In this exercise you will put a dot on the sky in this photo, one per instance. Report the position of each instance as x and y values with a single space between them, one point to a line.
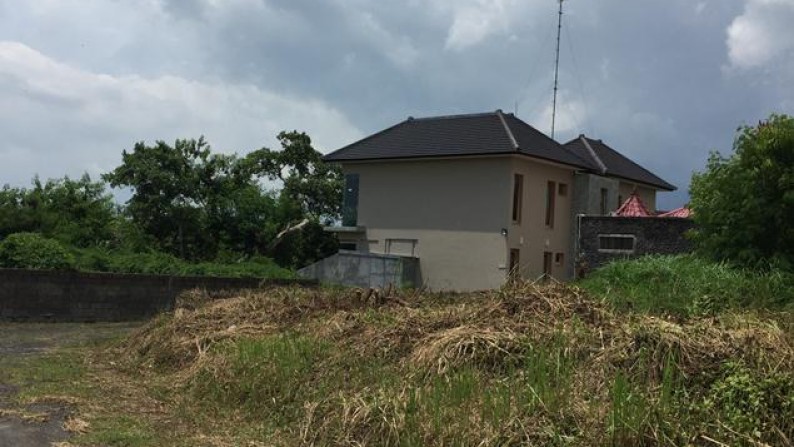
662 81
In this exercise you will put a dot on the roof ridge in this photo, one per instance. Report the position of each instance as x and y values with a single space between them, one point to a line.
446 117
507 129
593 154
582 162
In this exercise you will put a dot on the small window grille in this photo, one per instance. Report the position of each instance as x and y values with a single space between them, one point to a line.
616 243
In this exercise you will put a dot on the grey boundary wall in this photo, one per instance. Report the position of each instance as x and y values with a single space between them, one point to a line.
654 235
358 269
67 296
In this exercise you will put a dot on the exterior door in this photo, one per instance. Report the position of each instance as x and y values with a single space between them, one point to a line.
547 263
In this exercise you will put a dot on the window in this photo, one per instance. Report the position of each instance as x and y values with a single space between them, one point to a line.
551 189
559 259
350 201
348 246
604 197
616 243
514 263
563 189
518 193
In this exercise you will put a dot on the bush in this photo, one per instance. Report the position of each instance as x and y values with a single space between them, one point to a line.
743 204
158 263
688 285
33 251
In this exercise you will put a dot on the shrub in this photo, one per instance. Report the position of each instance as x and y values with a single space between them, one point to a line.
158 263
743 203
33 251
688 285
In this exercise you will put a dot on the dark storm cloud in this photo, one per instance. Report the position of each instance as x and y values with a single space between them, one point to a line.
662 81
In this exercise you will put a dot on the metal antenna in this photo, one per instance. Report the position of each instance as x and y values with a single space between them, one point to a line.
556 72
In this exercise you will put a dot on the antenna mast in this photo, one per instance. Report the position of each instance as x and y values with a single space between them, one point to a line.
556 72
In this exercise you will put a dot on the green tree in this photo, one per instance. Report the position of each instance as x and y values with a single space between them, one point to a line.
76 212
307 180
744 204
176 191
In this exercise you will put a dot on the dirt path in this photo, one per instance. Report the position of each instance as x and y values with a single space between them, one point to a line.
39 424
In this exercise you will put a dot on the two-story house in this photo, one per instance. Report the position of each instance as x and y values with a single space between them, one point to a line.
478 197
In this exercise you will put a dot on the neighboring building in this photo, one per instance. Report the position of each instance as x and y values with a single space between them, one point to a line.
474 197
618 175
629 232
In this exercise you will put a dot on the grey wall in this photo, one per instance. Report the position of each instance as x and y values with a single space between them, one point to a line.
654 235
365 270
41 295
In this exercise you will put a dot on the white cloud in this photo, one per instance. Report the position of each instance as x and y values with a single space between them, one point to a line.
569 120
473 21
762 33
59 119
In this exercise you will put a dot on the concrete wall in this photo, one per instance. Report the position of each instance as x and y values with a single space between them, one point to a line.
449 212
41 295
653 235
365 270
587 193
532 237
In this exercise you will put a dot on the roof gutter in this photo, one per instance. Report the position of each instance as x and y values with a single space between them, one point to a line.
601 166
507 129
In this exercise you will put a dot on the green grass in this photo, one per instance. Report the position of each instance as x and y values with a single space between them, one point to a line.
120 431
687 285
155 263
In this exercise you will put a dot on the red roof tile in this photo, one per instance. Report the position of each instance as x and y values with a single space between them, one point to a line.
633 207
682 212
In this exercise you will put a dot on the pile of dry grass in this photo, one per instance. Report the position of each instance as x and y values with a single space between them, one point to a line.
468 345
430 336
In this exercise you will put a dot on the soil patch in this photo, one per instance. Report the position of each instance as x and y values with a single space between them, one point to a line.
39 424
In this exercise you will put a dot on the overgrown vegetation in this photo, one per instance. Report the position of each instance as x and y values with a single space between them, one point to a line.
689 285
156 263
33 251
744 204
191 211
530 364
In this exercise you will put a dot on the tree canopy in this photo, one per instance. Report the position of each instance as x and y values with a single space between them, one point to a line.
75 212
198 205
744 204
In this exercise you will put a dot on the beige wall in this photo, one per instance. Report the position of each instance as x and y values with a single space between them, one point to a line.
450 213
455 210
451 260
531 236
647 195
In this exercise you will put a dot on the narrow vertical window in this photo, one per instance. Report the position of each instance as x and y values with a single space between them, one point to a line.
514 263
604 196
551 190
350 201
518 193
547 257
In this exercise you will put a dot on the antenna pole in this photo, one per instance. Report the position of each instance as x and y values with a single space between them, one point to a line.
556 72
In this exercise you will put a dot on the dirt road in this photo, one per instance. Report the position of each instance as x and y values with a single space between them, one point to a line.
21 344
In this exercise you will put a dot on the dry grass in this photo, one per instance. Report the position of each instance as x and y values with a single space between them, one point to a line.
542 364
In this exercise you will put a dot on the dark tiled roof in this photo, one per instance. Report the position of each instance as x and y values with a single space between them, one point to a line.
616 164
479 134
